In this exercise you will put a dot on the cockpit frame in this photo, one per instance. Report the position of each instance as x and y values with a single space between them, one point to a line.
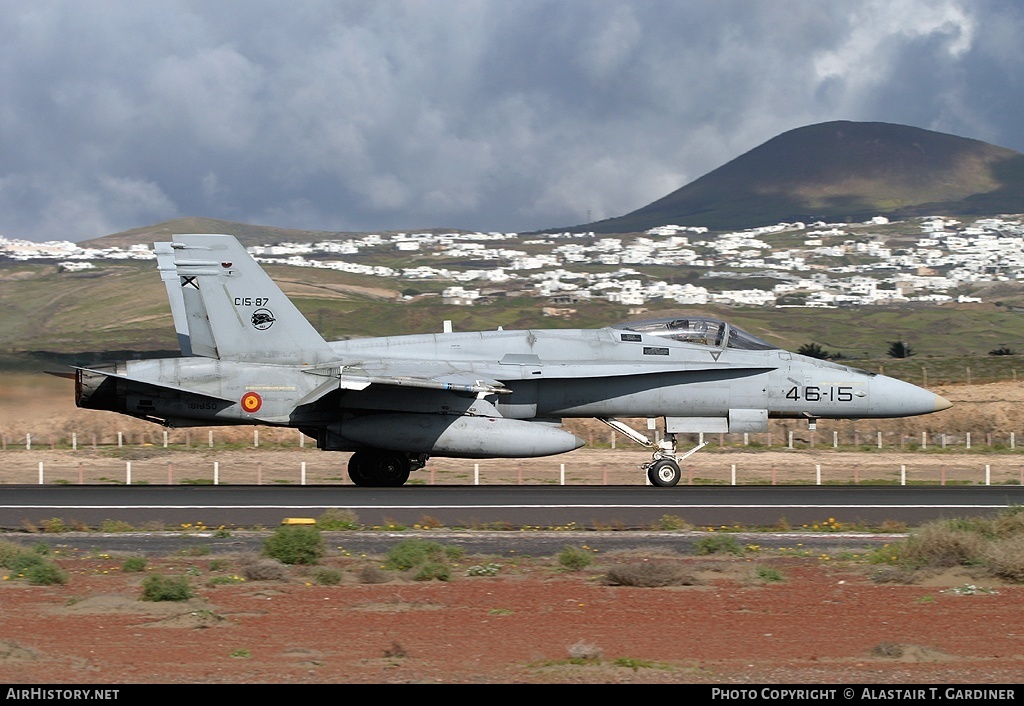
698 330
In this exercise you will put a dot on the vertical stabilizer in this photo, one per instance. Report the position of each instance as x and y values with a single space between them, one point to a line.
169 274
230 300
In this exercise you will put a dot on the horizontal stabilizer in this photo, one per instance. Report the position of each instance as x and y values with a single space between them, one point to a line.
167 385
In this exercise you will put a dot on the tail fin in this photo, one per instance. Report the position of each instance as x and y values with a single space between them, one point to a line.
234 311
169 274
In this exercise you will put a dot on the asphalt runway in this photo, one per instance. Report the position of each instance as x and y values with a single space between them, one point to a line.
482 507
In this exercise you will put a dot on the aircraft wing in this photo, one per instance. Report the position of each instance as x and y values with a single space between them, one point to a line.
424 376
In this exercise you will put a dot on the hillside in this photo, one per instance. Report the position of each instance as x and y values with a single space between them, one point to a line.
248 234
842 172
838 171
104 314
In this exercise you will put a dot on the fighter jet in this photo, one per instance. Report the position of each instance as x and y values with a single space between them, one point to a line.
250 357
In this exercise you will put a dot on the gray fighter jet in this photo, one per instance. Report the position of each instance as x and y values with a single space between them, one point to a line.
250 357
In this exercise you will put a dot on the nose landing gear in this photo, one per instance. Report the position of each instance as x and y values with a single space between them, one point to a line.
663 470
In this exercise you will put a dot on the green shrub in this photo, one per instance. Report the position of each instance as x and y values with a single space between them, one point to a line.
326 576
767 574
410 553
637 664
428 559
718 544
885 554
31 564
134 563
334 519
433 570
55 524
9 549
22 561
46 573
157 587
575 558
295 545
673 522
116 526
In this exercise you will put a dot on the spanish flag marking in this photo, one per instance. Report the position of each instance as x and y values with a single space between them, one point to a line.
251 402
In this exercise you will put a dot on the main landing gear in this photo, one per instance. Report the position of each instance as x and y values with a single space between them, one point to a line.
383 469
663 470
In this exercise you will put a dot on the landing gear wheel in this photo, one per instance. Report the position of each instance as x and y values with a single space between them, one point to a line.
664 473
378 469
392 470
359 470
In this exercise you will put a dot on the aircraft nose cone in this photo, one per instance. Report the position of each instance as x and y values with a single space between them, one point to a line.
896 398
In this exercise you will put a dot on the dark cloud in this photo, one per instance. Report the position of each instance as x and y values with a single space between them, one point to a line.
463 113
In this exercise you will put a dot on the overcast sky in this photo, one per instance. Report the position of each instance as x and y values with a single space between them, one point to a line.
506 115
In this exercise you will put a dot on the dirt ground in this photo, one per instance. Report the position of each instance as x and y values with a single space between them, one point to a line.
824 620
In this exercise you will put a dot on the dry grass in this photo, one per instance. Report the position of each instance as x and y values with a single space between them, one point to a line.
650 574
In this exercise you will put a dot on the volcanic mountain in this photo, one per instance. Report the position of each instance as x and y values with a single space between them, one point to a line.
842 171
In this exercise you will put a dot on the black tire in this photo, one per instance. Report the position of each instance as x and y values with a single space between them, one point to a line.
391 470
378 469
358 470
664 473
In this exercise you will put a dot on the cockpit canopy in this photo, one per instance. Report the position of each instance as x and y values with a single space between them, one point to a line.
699 330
